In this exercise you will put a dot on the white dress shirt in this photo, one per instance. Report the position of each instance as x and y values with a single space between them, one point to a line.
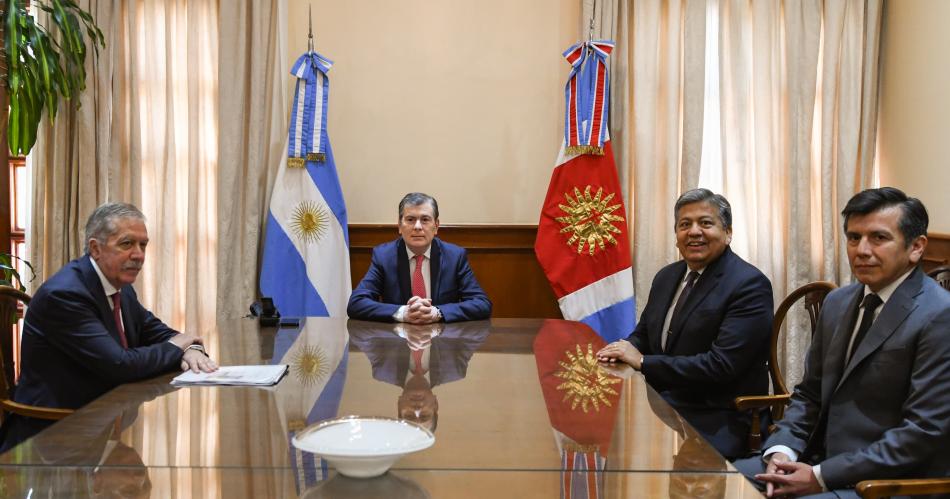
676 296
400 314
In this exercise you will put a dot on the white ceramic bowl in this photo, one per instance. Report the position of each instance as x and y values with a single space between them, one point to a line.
363 447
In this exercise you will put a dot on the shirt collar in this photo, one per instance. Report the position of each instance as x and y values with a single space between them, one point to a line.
688 270
888 290
106 285
412 255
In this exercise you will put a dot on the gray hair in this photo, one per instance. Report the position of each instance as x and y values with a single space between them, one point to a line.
102 222
416 199
705 195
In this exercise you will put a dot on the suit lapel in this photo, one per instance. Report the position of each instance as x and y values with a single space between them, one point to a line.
91 280
402 271
895 311
833 368
707 282
435 265
131 331
667 288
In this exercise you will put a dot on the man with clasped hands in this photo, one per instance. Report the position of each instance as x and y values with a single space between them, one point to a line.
874 402
419 278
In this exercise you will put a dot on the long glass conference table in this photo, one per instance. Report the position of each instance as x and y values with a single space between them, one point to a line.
519 408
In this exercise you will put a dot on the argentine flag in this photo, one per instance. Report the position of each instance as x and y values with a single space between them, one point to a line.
306 267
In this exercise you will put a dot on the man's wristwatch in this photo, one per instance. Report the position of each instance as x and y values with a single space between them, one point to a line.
198 347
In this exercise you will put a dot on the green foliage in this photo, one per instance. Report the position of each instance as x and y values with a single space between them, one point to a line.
9 276
42 68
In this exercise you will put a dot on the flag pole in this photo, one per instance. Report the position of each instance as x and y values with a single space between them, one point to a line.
590 27
310 29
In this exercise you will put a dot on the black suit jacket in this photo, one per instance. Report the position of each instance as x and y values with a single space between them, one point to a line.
888 410
70 350
718 350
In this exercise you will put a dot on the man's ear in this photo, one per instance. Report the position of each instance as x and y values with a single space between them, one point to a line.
917 248
94 249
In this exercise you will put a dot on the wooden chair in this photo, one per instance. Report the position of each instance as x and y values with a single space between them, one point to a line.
875 489
9 298
942 276
814 295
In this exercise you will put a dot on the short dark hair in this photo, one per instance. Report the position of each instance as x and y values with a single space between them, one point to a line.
705 195
101 223
417 198
914 219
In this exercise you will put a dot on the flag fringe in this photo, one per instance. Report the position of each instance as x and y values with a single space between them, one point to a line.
585 149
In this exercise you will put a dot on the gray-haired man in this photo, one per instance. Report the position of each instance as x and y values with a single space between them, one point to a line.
86 332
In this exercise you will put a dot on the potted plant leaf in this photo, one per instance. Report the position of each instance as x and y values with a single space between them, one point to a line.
42 68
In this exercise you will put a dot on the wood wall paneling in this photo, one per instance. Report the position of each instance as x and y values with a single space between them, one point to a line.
938 250
502 257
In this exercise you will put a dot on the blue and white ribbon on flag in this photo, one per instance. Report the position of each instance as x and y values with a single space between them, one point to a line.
306 265
308 120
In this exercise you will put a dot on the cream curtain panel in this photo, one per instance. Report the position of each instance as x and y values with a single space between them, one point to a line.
156 129
147 134
788 136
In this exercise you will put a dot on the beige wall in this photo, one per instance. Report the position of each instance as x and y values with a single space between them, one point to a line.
914 140
460 99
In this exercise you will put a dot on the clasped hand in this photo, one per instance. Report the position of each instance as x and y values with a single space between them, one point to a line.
421 311
784 477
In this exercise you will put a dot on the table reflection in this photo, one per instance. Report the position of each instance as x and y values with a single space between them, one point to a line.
418 358
509 398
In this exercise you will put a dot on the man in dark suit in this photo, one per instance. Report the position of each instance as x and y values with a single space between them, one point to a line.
703 337
86 332
874 401
417 278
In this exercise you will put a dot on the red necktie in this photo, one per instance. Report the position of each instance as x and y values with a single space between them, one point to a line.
117 315
417 360
418 283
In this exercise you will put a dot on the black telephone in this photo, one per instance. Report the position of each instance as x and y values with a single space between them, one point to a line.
265 310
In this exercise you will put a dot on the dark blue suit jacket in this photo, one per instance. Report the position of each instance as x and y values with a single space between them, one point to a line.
718 350
387 285
70 350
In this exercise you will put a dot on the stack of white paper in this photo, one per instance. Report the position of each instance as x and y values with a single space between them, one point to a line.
234 375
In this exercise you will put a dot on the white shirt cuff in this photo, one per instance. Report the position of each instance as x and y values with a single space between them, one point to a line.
816 469
400 315
792 455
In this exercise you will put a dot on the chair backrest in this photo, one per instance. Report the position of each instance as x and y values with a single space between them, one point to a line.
942 276
813 295
9 300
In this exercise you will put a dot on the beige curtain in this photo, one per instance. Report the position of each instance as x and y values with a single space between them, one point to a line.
798 83
147 133
790 137
253 117
72 164
657 83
